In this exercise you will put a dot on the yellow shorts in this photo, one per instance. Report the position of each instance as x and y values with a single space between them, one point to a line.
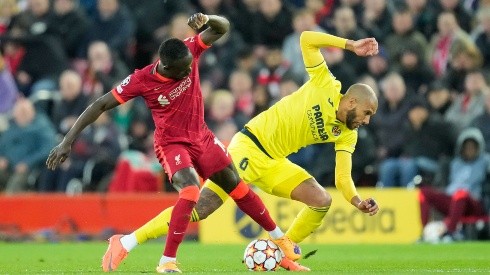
278 177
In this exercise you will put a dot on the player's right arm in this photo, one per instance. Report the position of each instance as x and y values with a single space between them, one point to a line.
311 42
93 111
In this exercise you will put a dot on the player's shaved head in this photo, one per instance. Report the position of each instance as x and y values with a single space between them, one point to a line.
175 59
362 93
357 106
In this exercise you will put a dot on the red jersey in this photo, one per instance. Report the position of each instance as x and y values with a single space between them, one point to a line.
176 105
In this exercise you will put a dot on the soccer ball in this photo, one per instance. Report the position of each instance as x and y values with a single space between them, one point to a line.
262 255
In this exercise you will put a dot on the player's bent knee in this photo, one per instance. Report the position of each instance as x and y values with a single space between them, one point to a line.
321 199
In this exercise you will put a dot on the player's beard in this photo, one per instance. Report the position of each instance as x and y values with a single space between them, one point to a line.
351 116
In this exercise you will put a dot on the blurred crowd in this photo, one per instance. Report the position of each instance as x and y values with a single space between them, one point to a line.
57 56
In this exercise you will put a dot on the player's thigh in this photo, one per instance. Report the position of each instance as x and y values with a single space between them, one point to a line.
249 161
213 157
173 158
282 178
311 193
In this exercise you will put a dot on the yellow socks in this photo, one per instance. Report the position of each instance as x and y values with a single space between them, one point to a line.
158 226
307 221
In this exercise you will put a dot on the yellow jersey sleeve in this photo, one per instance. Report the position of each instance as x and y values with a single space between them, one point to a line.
347 143
343 177
311 42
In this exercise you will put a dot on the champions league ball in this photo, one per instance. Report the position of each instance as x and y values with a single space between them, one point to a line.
262 255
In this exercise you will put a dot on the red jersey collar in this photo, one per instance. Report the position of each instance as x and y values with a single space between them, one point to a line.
159 76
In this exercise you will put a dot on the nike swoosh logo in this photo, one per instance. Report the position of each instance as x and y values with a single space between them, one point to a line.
178 233
263 211
110 263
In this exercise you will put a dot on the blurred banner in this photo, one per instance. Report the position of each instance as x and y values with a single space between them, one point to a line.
398 221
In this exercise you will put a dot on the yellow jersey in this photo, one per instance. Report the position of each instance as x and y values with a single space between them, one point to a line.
307 116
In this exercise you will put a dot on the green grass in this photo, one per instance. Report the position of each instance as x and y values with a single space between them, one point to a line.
83 258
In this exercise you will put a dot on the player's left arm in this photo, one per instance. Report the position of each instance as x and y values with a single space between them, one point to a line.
344 182
218 26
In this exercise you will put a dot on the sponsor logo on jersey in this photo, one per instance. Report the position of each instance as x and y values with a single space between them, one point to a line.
330 101
336 131
317 124
184 85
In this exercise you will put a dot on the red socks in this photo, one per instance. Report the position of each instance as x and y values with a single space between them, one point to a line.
252 205
180 218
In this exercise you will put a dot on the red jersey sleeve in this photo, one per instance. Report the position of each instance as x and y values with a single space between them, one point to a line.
195 45
128 89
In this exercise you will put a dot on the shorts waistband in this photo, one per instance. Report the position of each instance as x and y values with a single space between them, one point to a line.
255 140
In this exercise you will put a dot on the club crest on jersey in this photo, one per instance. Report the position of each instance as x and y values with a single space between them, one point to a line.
177 160
163 100
336 131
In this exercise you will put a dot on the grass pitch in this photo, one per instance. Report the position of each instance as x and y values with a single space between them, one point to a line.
84 258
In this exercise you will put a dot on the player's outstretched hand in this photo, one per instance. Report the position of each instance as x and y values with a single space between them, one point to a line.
197 20
368 206
58 155
366 47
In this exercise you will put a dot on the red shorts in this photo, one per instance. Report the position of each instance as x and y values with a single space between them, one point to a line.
207 156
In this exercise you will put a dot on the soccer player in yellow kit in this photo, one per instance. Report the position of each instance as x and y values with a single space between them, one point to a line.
316 113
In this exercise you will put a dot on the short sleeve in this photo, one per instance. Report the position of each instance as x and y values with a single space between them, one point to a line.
128 89
347 143
196 45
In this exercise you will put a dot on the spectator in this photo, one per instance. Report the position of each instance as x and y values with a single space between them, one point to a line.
441 43
277 17
98 143
470 104
439 98
462 196
482 36
152 16
244 18
392 112
456 7
303 20
113 24
465 57
241 87
71 24
8 9
376 19
103 69
404 34
8 88
377 65
414 70
429 140
177 28
346 26
218 62
323 11
222 110
274 69
24 146
481 122
424 16
72 103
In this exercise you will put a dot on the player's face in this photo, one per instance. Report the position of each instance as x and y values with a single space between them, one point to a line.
360 115
180 68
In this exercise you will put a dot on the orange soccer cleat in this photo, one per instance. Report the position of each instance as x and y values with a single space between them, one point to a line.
291 265
114 255
290 249
168 267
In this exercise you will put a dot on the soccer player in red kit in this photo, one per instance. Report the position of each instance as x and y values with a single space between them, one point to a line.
183 143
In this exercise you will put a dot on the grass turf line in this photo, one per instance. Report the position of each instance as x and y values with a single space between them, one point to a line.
85 258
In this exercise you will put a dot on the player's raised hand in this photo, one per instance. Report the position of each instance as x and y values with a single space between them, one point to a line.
368 206
197 20
58 155
365 47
